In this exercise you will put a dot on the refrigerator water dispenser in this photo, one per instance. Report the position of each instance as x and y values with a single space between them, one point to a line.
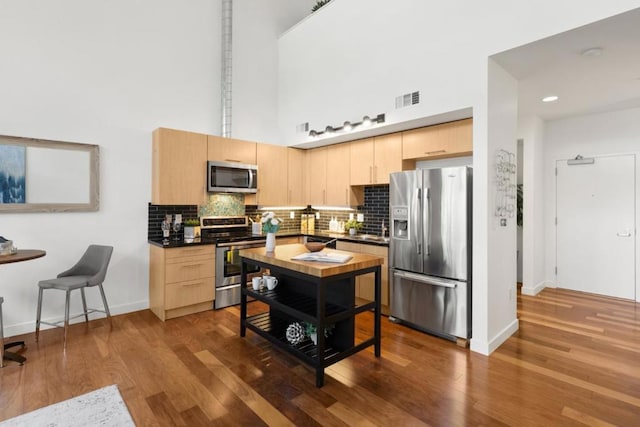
400 222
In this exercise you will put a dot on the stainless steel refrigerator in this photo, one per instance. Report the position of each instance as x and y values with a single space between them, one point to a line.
430 250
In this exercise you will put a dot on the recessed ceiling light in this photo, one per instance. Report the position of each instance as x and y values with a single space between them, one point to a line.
592 52
552 98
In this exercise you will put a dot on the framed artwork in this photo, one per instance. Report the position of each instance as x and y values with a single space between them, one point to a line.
12 174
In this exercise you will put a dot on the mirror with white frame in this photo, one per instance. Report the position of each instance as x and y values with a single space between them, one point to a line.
38 175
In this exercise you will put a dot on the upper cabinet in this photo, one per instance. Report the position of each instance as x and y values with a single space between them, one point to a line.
231 150
296 162
373 159
451 139
272 163
337 186
317 175
178 168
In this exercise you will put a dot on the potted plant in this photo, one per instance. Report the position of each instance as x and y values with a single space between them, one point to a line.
312 332
191 228
352 226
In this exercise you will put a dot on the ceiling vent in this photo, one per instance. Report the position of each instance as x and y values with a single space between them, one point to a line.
302 128
407 99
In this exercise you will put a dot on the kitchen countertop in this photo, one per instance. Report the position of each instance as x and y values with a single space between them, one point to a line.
367 239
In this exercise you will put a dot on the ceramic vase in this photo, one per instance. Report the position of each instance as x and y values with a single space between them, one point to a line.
271 242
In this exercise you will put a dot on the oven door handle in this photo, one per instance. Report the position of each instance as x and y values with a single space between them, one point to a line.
224 288
245 244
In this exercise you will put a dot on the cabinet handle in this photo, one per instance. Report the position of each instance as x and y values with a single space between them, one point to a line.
290 196
191 265
435 152
233 160
192 284
324 196
375 174
370 174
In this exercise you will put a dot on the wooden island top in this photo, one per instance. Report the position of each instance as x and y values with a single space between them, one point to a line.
282 255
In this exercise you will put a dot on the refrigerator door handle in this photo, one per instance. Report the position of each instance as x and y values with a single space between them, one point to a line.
428 200
419 198
429 280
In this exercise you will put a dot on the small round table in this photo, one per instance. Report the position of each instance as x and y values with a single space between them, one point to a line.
21 255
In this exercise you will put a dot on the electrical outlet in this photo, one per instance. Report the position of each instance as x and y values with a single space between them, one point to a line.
292 215
317 215
503 222
360 217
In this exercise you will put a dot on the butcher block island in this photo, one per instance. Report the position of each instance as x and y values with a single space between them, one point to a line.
312 296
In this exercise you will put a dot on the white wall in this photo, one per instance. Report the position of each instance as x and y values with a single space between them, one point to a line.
531 130
591 135
354 57
108 73
255 64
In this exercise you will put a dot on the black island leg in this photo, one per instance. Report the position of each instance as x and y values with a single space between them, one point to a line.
376 319
243 299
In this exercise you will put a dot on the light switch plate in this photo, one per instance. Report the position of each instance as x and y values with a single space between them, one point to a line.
360 217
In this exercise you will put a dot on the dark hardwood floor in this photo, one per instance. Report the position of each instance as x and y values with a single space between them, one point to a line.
574 361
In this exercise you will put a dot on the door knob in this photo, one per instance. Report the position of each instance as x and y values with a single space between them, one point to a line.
625 234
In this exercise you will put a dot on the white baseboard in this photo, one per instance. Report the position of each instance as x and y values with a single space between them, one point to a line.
486 348
533 291
28 327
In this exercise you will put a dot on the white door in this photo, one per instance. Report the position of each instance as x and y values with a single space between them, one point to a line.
595 231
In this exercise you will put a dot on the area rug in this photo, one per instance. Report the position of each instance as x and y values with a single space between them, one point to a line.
103 407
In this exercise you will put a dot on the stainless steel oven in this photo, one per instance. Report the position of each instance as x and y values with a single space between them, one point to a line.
228 268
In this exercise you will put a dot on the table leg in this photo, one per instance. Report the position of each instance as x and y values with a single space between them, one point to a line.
8 355
376 319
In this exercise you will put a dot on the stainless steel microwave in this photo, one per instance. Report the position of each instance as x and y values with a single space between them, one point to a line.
230 177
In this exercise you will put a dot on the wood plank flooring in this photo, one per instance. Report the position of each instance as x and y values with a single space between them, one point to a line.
575 361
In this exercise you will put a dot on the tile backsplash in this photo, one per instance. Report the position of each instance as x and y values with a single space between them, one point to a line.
375 210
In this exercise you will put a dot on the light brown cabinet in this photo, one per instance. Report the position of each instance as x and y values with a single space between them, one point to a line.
296 163
231 150
365 284
337 185
272 175
178 167
317 175
328 176
453 139
181 280
373 159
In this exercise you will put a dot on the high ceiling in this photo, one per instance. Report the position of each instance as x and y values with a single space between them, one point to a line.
585 83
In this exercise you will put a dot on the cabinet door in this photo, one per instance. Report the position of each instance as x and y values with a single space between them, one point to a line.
272 175
231 150
451 139
317 177
387 156
178 167
422 143
295 177
459 139
361 163
338 188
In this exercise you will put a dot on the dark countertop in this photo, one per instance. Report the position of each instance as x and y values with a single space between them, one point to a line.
358 238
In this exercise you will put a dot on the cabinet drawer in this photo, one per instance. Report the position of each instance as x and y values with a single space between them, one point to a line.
190 251
187 293
190 270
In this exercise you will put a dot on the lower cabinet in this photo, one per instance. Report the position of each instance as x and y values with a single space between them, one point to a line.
365 284
287 240
181 280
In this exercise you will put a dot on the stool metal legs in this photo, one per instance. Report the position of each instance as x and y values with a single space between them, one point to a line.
39 313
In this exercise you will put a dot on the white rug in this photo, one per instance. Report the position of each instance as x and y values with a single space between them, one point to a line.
103 407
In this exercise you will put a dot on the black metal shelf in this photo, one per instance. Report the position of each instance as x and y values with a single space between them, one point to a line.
304 307
275 329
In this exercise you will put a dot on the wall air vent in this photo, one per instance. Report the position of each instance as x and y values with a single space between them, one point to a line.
407 99
302 128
